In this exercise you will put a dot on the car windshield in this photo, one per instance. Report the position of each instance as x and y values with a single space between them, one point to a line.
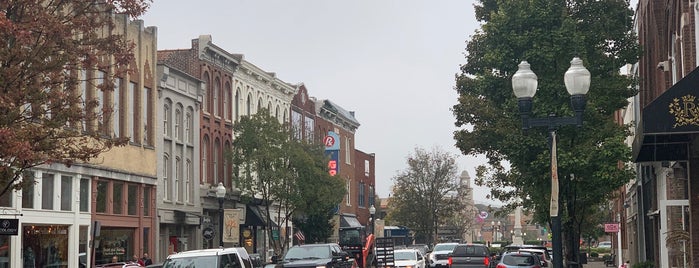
404 255
298 253
194 262
444 247
518 260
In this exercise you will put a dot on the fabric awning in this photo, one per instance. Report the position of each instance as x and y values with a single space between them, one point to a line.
253 217
349 220
664 131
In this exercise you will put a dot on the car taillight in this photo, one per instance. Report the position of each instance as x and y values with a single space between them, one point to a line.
449 261
500 265
486 261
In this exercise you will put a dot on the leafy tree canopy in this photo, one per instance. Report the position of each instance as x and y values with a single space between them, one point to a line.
283 172
43 45
547 34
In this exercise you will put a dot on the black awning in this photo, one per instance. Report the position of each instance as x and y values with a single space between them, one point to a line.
665 129
253 217
348 220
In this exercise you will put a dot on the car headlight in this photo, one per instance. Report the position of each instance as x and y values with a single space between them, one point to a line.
320 266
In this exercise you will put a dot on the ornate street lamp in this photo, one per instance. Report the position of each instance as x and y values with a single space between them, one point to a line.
524 85
372 212
220 194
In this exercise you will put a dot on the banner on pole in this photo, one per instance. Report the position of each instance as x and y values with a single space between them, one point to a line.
553 209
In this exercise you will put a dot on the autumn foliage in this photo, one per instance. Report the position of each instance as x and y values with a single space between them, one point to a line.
44 45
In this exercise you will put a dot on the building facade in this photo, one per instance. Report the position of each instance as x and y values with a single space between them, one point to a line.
655 210
178 197
108 202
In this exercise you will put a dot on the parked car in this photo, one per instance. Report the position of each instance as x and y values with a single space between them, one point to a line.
470 256
515 248
408 258
541 253
439 256
328 255
605 244
205 258
519 260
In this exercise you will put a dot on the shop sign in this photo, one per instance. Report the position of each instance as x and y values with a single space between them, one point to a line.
9 226
208 233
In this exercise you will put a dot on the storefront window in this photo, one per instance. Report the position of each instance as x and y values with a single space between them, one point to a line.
82 245
678 239
84 195
132 200
115 242
66 193
101 206
4 251
117 196
45 246
47 191
28 190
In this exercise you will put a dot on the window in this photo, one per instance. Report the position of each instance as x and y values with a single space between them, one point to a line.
47 191
236 105
178 123
84 195
204 156
215 152
146 200
371 195
178 179
206 104
188 126
166 178
248 105
360 198
132 207
83 95
145 115
116 101
226 103
309 124
349 191
367 168
146 236
296 125
188 180
348 151
66 193
117 197
100 102
101 204
166 119
132 112
217 93
28 190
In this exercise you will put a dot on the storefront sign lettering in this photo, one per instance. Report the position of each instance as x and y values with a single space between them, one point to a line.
9 226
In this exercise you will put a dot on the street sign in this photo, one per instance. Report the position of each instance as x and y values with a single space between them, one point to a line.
208 233
611 227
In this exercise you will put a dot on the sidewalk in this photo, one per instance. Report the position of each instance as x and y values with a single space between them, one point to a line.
595 264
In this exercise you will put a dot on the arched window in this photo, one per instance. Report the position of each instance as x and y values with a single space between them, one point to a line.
248 105
217 94
215 156
166 178
227 102
189 173
167 120
259 105
226 164
204 157
207 91
178 122
236 105
189 126
178 179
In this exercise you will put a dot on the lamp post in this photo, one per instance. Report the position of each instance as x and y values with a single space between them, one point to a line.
372 212
524 85
220 194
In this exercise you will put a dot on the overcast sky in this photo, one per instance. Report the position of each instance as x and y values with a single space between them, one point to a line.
393 62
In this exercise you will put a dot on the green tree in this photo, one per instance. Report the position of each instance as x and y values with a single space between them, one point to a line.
43 45
547 34
425 193
279 172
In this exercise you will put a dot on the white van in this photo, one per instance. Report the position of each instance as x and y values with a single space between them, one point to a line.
210 258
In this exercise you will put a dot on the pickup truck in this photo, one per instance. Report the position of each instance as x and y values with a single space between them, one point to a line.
220 257
470 256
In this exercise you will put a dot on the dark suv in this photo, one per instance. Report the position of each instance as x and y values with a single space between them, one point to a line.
470 256
316 255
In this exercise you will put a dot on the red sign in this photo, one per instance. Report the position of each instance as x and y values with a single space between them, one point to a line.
329 141
611 227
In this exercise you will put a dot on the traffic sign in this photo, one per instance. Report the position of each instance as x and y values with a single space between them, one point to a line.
611 227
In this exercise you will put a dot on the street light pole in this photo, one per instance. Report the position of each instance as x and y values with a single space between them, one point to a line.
372 212
524 85
220 194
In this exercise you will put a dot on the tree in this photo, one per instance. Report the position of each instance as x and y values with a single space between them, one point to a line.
279 172
43 45
425 193
548 34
